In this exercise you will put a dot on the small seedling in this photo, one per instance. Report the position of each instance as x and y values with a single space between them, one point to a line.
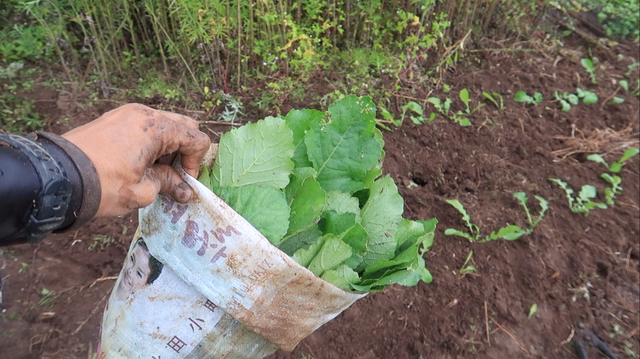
616 100
417 109
544 206
624 84
460 117
616 166
466 267
101 241
510 232
532 310
610 193
474 231
583 203
442 107
496 98
614 181
523 97
23 267
388 117
588 65
588 97
630 68
566 100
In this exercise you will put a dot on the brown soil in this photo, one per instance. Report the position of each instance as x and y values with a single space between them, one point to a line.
579 271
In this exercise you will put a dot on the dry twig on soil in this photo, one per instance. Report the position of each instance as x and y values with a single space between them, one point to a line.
607 140
511 336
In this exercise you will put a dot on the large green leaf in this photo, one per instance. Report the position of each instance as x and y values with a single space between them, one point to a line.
264 207
304 256
341 277
342 203
342 147
256 153
333 253
304 239
299 121
306 199
337 223
205 176
411 232
356 237
381 216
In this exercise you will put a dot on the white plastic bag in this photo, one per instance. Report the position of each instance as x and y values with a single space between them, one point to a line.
199 281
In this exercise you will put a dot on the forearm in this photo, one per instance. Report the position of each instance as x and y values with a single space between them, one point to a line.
46 184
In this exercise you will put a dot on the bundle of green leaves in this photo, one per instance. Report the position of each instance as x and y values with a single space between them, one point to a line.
311 184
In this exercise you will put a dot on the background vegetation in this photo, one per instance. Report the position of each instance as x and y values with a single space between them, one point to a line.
196 53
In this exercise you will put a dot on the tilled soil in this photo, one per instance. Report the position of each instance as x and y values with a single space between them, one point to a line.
580 271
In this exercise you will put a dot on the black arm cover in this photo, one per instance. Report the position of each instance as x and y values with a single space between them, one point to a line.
46 184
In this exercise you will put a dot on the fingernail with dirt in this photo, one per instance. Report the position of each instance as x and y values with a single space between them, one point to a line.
182 192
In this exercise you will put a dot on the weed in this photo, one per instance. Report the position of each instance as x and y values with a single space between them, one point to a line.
23 267
17 113
9 253
619 18
628 349
102 242
522 96
48 297
583 202
466 267
10 316
532 310
589 66
583 290
232 108
616 330
495 98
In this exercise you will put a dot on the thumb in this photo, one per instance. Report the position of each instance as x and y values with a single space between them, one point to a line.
169 183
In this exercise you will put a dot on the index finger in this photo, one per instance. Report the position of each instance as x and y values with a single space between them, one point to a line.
192 144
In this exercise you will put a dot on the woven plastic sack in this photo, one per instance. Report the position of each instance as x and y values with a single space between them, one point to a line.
200 282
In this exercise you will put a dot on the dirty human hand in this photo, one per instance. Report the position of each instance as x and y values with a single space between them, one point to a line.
132 147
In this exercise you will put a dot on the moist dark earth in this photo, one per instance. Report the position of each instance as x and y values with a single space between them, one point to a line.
582 272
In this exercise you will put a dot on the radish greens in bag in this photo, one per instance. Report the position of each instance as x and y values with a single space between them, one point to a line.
311 184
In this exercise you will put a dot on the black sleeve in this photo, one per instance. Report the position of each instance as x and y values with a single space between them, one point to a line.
19 187
29 208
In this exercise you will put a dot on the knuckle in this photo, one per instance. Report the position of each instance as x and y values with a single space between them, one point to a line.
136 107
